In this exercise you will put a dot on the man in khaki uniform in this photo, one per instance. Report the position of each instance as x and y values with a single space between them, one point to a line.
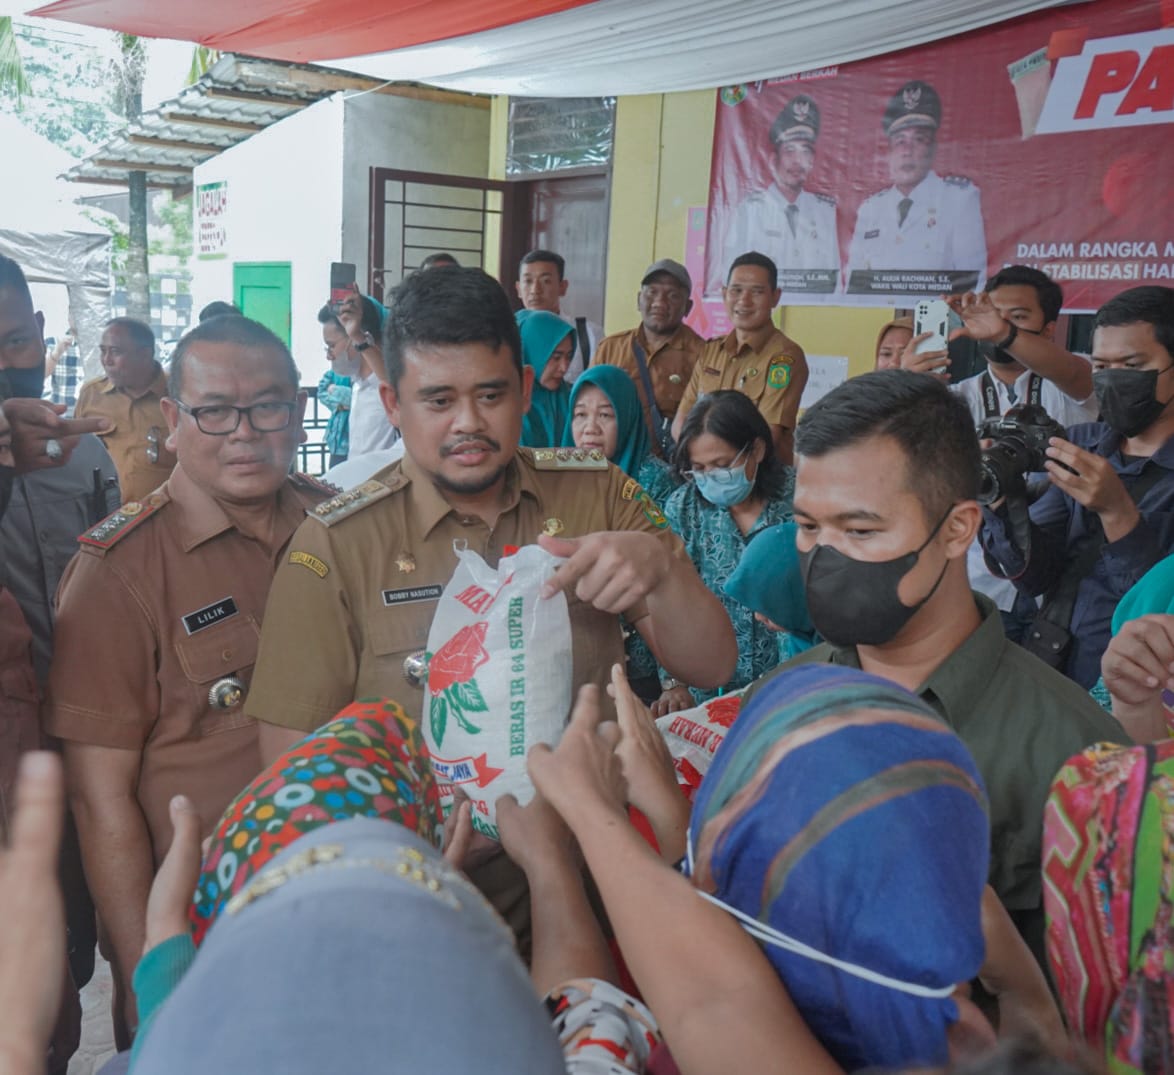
128 395
756 359
162 610
368 567
662 349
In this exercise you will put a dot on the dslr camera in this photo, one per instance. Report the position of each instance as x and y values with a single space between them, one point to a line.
1020 446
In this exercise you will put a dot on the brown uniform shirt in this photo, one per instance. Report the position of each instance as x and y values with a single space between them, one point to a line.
770 368
670 367
158 606
369 582
139 429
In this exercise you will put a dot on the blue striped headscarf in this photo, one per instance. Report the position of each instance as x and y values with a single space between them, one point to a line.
841 812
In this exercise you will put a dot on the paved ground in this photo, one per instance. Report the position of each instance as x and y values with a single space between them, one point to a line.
97 1034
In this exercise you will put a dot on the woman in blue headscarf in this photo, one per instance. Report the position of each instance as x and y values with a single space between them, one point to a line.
548 343
606 414
842 825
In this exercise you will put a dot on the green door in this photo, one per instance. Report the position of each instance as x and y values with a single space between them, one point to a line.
263 292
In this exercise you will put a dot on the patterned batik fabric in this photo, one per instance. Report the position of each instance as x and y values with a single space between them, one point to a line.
716 545
602 1029
370 761
1109 898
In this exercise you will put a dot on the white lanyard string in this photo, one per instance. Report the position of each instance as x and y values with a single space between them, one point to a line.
769 935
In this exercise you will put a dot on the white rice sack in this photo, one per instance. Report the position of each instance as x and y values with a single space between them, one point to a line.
693 736
499 678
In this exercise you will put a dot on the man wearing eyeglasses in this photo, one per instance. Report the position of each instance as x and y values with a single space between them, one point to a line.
755 358
159 617
129 396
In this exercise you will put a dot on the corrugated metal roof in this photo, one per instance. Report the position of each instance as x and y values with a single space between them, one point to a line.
237 97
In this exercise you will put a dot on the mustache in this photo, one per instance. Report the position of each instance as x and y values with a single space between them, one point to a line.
477 442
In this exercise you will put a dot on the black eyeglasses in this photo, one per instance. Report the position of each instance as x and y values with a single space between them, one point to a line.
220 419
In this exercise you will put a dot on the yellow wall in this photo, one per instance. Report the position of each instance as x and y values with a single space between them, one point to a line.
660 170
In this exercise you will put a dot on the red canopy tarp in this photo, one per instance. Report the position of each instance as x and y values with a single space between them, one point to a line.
314 31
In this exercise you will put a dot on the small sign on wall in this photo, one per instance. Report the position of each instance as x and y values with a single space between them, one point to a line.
212 220
825 372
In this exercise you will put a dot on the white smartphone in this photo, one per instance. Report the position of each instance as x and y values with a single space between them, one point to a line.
933 315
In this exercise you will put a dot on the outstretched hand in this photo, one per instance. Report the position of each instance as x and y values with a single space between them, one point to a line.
534 835
582 774
170 899
981 319
648 769
32 915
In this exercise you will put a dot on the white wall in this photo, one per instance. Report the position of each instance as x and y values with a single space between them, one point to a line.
385 131
285 202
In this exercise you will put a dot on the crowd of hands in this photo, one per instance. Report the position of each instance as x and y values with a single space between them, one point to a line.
578 817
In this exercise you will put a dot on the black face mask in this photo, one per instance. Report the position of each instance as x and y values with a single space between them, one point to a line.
1128 399
855 602
22 384
990 353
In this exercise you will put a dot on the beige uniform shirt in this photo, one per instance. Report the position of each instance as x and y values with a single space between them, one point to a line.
670 367
367 583
163 601
770 368
139 433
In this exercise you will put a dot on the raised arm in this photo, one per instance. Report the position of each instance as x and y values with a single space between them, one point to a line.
718 1000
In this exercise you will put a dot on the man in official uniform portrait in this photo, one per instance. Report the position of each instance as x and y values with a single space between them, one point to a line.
793 226
924 221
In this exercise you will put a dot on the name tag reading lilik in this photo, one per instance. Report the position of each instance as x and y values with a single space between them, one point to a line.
210 615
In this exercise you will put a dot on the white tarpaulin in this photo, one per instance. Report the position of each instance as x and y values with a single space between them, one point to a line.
620 47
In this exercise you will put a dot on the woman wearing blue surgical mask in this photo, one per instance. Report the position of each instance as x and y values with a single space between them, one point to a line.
735 488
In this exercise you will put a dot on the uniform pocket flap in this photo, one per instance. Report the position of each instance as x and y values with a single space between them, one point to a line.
220 650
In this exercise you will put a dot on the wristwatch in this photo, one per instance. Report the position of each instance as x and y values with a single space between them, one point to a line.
1009 339
360 347
667 683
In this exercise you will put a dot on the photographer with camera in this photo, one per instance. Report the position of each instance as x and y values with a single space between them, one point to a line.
1013 322
1109 514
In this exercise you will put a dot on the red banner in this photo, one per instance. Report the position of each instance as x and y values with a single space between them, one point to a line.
1044 141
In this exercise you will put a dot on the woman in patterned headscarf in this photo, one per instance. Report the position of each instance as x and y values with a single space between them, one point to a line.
843 826
1109 900
846 826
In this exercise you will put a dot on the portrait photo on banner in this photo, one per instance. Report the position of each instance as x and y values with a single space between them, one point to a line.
1043 141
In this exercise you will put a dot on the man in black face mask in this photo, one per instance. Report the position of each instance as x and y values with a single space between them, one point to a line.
1110 510
887 475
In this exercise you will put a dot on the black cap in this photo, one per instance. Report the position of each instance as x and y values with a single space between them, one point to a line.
916 104
797 122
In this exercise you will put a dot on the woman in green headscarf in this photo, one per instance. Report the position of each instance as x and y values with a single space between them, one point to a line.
548 343
606 414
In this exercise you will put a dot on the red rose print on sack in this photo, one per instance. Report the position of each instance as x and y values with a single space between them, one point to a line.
450 679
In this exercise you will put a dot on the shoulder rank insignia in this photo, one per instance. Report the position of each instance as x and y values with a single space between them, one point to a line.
827 199
630 490
568 459
957 180
316 484
353 500
779 375
117 525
